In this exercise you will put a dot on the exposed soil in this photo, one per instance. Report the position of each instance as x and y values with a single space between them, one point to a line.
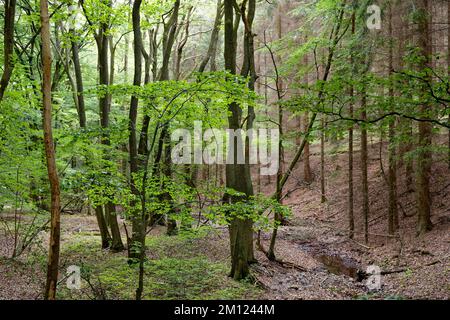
316 237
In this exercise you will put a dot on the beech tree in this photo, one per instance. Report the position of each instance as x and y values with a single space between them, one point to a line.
361 114
55 209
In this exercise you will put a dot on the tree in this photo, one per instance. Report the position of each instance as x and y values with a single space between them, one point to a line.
424 158
351 218
237 175
392 173
364 169
8 45
138 231
212 48
53 254
81 109
102 41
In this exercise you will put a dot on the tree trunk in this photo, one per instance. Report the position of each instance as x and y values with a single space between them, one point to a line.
53 254
392 174
105 106
306 163
323 197
104 233
212 48
278 193
138 225
351 218
364 175
8 45
111 217
167 172
424 157
79 84
306 154
241 233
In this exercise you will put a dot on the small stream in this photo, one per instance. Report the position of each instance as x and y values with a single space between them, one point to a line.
334 262
341 266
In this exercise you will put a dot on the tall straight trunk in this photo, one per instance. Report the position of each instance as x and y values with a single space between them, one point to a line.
405 125
258 91
351 218
79 83
266 99
138 225
241 233
249 70
8 45
105 106
167 172
364 164
392 174
323 197
306 154
278 192
424 158
112 59
55 210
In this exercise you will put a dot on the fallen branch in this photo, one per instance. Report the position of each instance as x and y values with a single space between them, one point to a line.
285 264
360 244
414 268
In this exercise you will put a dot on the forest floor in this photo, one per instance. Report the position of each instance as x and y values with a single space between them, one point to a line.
316 235
195 266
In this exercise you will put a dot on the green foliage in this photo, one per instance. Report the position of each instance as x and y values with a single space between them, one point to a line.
176 270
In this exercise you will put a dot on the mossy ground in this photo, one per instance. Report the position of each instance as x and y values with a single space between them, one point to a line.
175 269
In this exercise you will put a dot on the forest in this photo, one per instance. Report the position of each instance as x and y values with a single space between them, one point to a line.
225 150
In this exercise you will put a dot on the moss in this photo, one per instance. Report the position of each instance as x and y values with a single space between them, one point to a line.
175 270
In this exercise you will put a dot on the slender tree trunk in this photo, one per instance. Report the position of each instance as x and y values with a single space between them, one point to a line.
112 59
424 158
258 91
167 172
306 154
323 197
278 192
79 83
392 174
138 225
210 55
53 254
364 175
351 219
8 45
105 106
